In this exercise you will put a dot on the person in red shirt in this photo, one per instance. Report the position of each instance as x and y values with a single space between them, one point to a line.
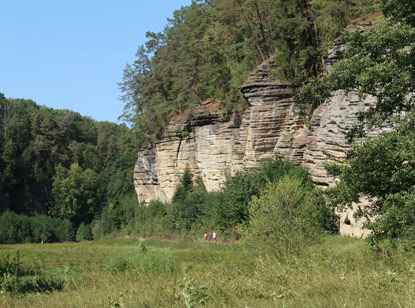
205 236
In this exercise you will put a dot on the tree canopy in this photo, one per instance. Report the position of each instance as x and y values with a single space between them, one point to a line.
207 50
378 62
38 149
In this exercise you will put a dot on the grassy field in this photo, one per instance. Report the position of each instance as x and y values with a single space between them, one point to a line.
339 272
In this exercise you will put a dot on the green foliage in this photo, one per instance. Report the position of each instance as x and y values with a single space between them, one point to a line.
399 10
152 219
36 142
147 262
196 209
16 228
208 49
243 186
75 194
383 169
378 62
332 16
120 215
285 216
16 277
199 210
84 233
184 187
371 64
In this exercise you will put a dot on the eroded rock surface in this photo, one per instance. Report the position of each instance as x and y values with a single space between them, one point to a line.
212 147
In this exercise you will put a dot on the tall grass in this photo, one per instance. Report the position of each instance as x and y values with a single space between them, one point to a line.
16 278
338 272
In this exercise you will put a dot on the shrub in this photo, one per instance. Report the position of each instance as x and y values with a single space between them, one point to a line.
397 220
241 188
147 261
84 233
16 228
196 208
64 231
185 186
97 229
9 226
284 217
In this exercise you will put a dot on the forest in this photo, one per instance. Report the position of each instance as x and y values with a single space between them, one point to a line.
66 181
207 50
57 166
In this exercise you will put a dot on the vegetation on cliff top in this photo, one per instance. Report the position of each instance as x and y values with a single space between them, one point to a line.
78 170
207 50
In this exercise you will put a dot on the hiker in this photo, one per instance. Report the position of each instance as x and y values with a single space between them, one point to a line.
214 236
205 236
210 237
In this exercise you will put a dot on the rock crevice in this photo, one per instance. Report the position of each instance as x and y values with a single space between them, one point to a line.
213 147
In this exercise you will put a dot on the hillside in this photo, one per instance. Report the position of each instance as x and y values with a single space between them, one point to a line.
51 160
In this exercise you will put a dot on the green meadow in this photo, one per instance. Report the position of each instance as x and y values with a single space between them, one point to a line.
129 272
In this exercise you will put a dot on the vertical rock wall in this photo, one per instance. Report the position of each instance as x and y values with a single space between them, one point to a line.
212 147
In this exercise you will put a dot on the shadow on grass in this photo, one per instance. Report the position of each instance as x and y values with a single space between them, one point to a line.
19 278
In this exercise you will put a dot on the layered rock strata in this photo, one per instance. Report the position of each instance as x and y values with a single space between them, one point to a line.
213 147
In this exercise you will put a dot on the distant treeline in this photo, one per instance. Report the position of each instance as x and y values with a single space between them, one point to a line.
60 163
208 48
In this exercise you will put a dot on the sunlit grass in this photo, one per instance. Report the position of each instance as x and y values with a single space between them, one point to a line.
338 272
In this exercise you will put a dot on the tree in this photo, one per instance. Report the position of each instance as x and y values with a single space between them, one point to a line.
284 216
378 62
239 189
208 49
401 11
384 170
75 195
184 187
84 233
371 64
34 140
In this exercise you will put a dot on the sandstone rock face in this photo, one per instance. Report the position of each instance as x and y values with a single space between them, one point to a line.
213 147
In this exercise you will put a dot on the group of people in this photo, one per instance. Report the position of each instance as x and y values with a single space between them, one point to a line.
210 237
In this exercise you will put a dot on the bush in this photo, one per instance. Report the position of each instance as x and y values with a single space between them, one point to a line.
152 219
284 217
116 216
84 233
16 228
10 225
196 208
397 220
241 188
65 231
145 262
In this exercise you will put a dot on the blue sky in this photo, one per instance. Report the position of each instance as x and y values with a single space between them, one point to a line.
70 54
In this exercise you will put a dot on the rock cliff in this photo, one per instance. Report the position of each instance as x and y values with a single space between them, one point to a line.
212 146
